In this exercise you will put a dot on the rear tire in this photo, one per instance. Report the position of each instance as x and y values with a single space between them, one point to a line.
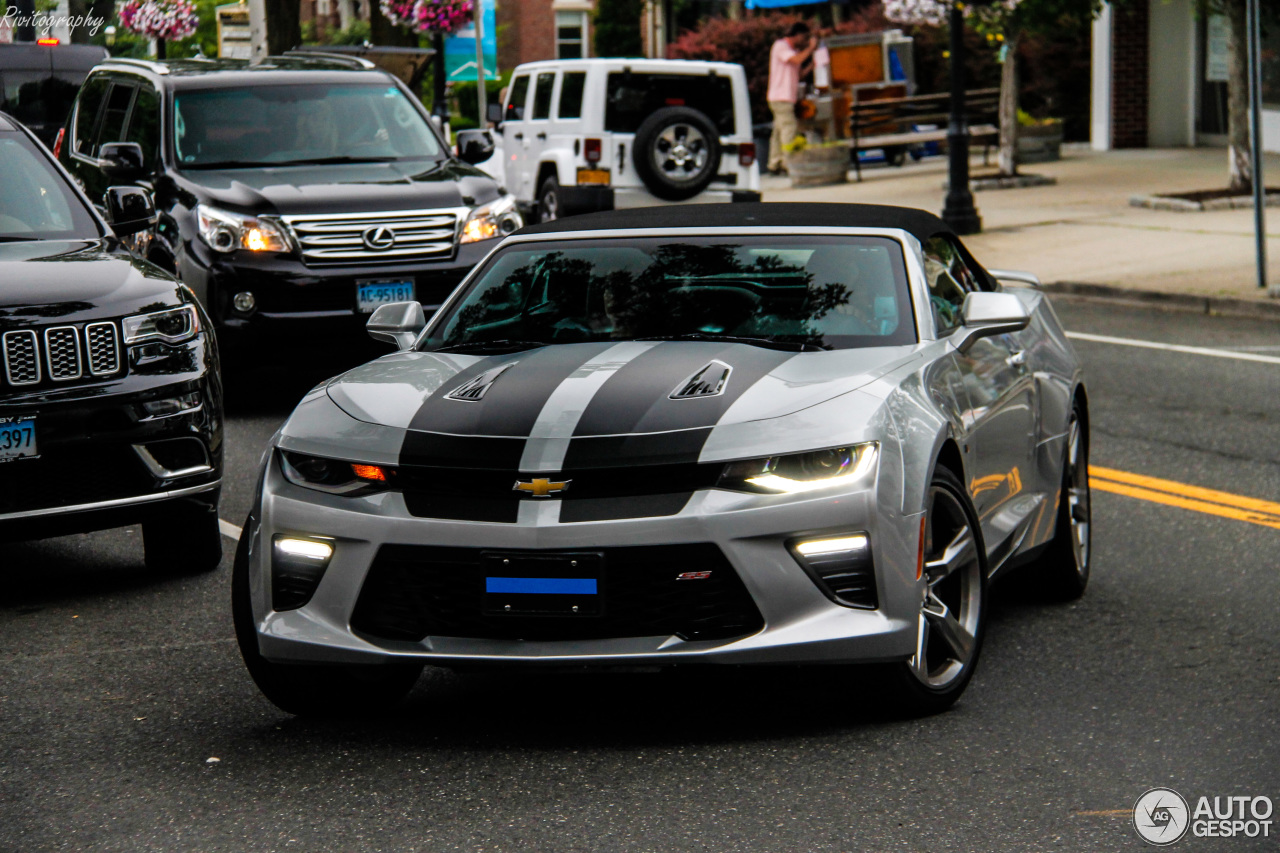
549 200
313 690
952 618
184 538
1066 563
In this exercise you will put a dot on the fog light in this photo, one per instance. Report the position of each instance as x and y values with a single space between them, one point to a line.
244 302
167 407
296 568
842 568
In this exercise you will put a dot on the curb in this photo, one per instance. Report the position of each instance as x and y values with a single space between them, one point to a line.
1230 306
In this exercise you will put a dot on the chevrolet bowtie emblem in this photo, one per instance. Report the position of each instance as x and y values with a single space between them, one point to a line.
541 487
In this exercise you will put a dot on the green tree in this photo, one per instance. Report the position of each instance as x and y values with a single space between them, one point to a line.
617 28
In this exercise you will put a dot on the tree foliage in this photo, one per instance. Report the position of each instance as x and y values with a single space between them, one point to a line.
617 28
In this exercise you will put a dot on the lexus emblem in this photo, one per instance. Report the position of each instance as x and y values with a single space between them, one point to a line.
379 238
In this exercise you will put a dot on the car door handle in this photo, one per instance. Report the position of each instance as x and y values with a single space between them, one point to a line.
542 137
1018 359
519 136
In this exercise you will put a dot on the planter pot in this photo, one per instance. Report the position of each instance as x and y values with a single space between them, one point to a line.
813 167
1039 143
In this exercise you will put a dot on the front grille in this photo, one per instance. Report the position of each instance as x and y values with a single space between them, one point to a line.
395 236
61 353
73 474
104 348
412 592
21 359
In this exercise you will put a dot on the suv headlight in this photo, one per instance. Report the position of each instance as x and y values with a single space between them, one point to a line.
844 467
334 475
172 326
495 219
224 231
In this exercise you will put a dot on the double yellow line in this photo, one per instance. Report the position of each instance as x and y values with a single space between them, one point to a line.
1171 493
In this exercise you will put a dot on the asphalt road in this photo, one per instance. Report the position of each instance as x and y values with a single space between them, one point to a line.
127 721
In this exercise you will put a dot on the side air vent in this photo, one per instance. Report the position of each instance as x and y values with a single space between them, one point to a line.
707 382
474 391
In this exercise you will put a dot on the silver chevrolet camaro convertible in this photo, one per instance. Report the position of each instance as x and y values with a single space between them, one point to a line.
733 434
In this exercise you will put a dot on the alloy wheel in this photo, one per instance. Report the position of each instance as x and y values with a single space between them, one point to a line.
680 152
1078 498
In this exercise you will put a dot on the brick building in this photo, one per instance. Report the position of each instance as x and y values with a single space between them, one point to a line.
531 30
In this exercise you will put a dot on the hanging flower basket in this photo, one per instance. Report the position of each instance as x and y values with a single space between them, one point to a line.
428 16
165 20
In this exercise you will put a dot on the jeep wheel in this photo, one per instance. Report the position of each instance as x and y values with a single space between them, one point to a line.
548 207
676 153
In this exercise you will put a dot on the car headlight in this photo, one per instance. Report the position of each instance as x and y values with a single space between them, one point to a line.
172 326
495 219
224 231
843 467
334 475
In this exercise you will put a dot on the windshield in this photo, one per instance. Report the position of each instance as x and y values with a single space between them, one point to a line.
35 203
299 124
806 292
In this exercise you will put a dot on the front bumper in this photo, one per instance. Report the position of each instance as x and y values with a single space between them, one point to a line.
799 623
89 474
291 296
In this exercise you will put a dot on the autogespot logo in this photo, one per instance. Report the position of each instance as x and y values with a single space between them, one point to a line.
1161 817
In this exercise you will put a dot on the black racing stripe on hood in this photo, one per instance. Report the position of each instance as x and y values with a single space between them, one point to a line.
512 404
461 451
610 451
637 399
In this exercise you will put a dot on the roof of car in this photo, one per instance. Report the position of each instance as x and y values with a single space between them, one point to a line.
638 62
219 72
919 223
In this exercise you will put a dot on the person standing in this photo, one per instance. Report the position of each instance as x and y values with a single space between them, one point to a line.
788 62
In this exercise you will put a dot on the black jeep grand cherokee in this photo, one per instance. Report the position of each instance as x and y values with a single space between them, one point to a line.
110 397
299 193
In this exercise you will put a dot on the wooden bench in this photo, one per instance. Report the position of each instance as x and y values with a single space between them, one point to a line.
887 122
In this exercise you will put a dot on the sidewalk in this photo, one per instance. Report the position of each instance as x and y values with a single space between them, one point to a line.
1083 229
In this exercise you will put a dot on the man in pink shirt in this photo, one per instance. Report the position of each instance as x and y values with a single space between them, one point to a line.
788 62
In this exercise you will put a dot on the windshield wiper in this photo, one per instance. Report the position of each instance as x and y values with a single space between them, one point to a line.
769 343
499 345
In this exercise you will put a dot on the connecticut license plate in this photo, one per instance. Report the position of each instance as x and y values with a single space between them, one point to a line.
593 176
17 436
371 294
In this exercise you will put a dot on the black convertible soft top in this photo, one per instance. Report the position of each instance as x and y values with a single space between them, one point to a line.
919 223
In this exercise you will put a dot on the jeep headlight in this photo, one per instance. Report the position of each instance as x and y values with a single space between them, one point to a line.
172 326
224 231
844 467
495 219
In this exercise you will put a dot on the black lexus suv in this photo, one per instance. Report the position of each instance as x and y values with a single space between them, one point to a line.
300 193
110 396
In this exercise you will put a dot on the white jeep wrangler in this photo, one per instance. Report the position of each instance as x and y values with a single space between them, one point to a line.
600 134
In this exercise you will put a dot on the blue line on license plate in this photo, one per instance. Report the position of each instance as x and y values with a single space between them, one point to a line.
541 586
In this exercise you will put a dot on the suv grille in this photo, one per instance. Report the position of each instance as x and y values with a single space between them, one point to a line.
68 351
361 237
413 592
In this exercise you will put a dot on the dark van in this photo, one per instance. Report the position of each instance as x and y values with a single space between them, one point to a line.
38 83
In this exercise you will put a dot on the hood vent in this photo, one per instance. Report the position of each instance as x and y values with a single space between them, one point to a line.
707 382
474 390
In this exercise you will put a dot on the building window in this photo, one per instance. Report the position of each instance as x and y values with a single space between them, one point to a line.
571 35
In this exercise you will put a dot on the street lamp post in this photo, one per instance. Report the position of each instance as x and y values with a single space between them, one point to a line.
959 211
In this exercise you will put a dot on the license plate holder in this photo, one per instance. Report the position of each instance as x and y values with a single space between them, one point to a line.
593 177
370 294
566 584
17 437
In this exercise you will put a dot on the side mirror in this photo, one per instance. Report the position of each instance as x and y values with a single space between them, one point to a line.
493 113
1018 276
129 210
399 323
986 314
121 161
474 146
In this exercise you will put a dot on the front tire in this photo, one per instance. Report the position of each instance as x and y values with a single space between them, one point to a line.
1065 565
952 616
312 690
184 538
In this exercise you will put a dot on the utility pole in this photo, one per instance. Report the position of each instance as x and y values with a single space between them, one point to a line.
257 31
1254 35
959 211
481 94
